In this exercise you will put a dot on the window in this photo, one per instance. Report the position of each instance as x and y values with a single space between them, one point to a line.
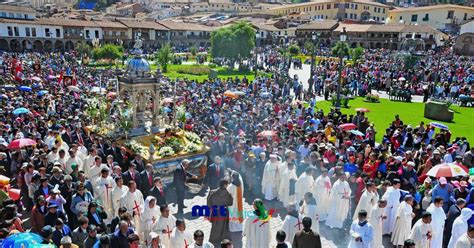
355 16
383 11
401 18
336 5
18 15
346 5
58 33
450 14
345 15
355 6
465 16
11 15
351 15
3 14
96 32
88 34
122 33
17 31
10 31
414 18
27 32
33 32
427 17
26 16
328 6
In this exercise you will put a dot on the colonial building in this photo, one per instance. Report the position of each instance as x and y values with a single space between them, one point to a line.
184 34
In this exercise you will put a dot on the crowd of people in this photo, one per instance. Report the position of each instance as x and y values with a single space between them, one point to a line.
79 189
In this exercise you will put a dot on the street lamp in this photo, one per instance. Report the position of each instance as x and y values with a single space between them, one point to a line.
287 61
314 38
257 36
343 39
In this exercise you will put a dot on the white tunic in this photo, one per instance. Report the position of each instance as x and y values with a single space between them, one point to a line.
437 224
459 226
393 201
376 221
321 189
103 192
270 182
234 224
164 227
401 232
284 190
311 211
134 204
181 239
149 216
419 234
339 204
257 234
366 202
117 194
303 185
204 245
291 225
464 242
366 232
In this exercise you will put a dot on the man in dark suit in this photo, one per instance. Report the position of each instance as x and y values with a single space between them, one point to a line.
219 148
158 192
113 150
78 137
138 161
67 136
131 174
453 212
44 189
146 178
215 172
68 189
179 181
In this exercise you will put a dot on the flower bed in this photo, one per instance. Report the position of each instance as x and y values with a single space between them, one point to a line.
372 98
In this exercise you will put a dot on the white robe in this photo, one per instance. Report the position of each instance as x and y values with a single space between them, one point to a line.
376 221
366 232
437 225
366 202
149 216
459 226
164 227
284 190
321 189
103 193
95 174
204 245
257 234
181 239
117 194
87 165
419 234
302 186
401 232
393 201
339 204
130 201
270 183
311 211
291 225
234 224
464 242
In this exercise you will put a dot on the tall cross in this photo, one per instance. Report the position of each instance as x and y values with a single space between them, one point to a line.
168 231
299 224
136 208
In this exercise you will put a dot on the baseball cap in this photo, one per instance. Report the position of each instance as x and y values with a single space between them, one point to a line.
442 180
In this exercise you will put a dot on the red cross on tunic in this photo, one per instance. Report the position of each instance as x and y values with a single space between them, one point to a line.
299 224
186 244
136 208
168 231
107 187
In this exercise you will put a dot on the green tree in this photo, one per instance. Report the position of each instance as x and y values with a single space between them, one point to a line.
308 46
108 52
294 49
356 54
193 50
163 57
234 42
341 49
84 50
410 61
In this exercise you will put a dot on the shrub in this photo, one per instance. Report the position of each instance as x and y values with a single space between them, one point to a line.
194 70
371 98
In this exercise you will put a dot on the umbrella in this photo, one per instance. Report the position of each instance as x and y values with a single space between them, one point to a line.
42 92
265 94
402 79
3 96
4 180
239 93
168 100
362 110
74 88
23 240
9 87
51 77
357 132
24 88
267 133
20 111
95 89
447 170
348 126
36 79
439 125
20 143
111 95
167 110
231 94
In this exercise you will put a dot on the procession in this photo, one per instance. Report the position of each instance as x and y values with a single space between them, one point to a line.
129 157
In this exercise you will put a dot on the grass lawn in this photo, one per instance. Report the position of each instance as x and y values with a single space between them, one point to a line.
383 113
222 72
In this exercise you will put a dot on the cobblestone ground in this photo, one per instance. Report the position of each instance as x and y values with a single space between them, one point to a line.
195 223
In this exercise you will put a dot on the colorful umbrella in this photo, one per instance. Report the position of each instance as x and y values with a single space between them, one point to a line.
447 170
9 87
25 88
168 100
23 240
439 125
239 93
4 180
42 92
402 79
20 143
231 95
357 132
74 88
362 110
348 126
37 79
20 111
267 133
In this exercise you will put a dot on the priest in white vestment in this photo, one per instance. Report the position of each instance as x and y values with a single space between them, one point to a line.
393 201
181 238
362 233
165 225
321 190
437 224
303 184
133 201
377 217
199 241
460 226
270 179
149 216
422 233
103 193
236 189
292 223
284 194
310 209
467 239
367 200
339 202
117 194
405 215
257 228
